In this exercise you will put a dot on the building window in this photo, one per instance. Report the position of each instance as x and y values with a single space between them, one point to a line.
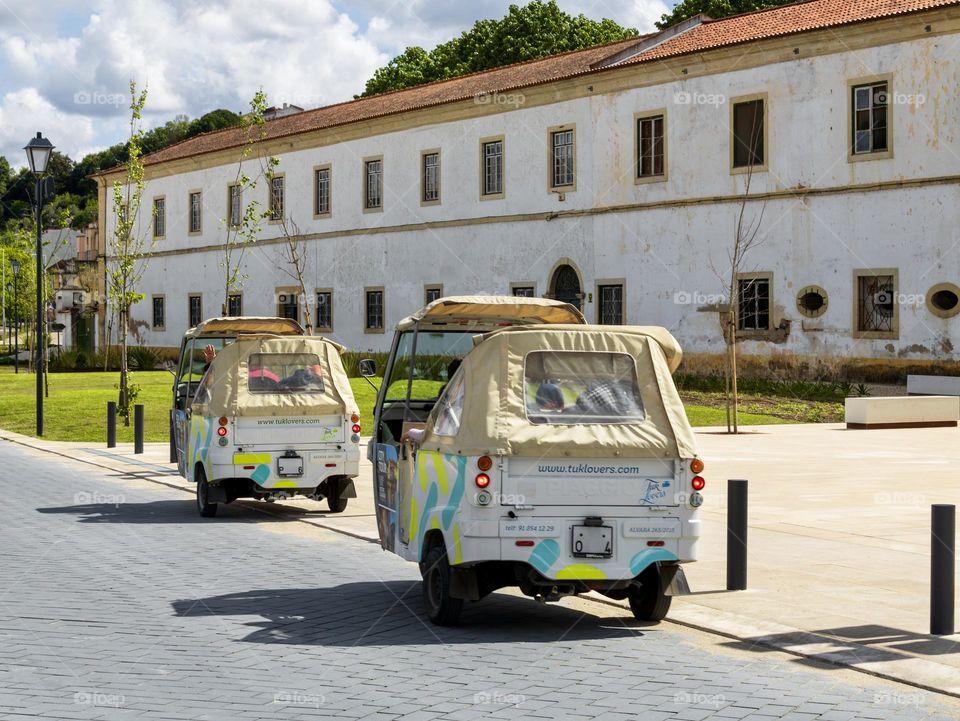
432 293
195 306
159 313
561 158
324 320
748 133
276 197
870 118
753 300
373 187
943 300
492 158
321 202
430 177
812 301
523 291
196 211
650 147
234 205
159 217
876 308
288 305
373 310
610 310
235 305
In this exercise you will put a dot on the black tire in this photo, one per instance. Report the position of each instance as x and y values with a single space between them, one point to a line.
442 608
335 502
649 602
205 508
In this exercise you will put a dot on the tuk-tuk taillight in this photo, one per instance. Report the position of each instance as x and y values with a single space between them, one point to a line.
484 463
354 418
223 421
696 465
222 431
356 428
482 480
698 483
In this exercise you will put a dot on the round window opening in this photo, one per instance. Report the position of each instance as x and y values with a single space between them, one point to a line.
812 301
943 300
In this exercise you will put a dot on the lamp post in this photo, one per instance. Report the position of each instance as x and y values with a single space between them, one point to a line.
39 150
16 316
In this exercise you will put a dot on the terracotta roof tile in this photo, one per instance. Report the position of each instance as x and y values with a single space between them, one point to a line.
785 20
738 29
509 77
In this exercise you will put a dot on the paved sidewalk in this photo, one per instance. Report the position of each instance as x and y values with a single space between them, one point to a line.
839 540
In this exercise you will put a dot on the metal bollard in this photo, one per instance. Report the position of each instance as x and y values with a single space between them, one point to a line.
943 539
138 428
173 445
111 424
736 535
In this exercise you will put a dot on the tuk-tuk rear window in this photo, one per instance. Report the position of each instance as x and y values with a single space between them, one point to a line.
572 387
284 373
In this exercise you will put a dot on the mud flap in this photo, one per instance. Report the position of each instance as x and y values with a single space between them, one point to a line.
347 489
216 493
463 584
674 581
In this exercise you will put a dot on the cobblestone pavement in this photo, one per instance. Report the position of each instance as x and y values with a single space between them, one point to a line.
118 601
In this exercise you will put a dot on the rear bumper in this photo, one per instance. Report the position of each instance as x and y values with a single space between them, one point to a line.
546 544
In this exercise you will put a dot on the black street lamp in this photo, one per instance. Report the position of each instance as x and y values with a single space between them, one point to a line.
16 316
39 150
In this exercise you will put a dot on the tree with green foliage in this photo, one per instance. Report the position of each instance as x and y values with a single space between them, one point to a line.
535 30
715 9
127 245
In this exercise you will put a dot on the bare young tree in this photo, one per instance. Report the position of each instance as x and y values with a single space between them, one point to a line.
745 239
128 247
294 252
243 221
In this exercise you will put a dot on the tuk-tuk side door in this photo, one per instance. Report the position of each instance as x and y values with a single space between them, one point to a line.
181 400
383 451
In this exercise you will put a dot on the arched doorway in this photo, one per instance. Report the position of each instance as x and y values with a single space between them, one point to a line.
565 286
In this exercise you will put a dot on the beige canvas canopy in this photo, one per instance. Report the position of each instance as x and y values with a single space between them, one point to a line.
228 393
487 312
494 414
246 325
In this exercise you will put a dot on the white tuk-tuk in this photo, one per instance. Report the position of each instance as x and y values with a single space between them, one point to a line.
558 458
274 417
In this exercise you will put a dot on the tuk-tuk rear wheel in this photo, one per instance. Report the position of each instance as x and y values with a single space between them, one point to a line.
442 608
335 502
204 506
649 602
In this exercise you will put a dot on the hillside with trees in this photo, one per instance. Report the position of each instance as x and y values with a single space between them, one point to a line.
526 32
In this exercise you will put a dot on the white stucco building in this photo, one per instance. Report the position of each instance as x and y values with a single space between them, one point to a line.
613 178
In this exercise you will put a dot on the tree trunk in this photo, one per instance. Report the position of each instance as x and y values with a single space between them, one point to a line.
123 400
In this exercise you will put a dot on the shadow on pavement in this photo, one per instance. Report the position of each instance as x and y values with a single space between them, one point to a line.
375 613
184 511
869 643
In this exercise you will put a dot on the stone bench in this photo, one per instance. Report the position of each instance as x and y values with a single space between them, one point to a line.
902 412
933 385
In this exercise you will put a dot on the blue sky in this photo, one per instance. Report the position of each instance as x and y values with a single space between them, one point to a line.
65 64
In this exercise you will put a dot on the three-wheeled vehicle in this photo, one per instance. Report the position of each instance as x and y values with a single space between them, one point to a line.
274 417
191 365
557 458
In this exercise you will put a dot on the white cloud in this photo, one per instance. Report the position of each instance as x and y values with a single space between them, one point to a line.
193 57
24 112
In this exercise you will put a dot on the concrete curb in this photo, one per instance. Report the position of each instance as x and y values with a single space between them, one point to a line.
748 632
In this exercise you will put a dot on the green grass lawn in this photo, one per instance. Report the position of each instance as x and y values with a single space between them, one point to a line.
76 408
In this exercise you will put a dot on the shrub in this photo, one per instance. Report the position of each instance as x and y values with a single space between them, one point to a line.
143 358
